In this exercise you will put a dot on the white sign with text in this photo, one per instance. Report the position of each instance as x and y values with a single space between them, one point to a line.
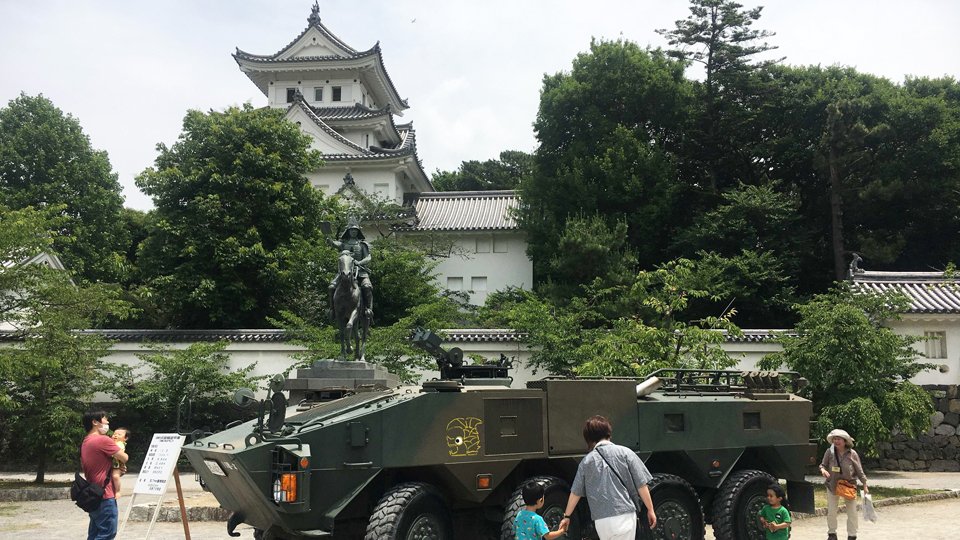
158 464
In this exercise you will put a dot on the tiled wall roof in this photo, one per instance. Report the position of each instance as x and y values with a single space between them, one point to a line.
466 211
928 292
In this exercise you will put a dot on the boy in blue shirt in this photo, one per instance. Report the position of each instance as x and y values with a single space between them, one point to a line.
528 525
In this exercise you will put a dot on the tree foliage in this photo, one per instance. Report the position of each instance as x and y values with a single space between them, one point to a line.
48 371
858 370
606 132
719 35
507 172
749 163
47 161
191 385
232 203
631 328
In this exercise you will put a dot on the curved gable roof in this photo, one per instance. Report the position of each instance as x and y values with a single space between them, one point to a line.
344 57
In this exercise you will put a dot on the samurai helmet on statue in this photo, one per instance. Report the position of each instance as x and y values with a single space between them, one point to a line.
352 223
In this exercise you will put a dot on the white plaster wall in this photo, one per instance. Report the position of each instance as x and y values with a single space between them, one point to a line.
270 358
329 179
273 358
916 325
352 92
748 354
512 268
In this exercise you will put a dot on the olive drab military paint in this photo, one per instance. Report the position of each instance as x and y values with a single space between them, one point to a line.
445 459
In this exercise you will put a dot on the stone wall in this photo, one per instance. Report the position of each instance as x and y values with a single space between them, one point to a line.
938 449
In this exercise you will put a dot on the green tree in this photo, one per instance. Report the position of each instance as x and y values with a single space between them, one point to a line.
718 35
504 173
589 250
231 202
49 370
189 388
755 240
858 370
582 337
46 160
606 131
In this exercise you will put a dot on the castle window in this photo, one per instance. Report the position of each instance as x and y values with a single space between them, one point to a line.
318 93
291 94
483 244
500 245
455 283
478 283
337 93
936 344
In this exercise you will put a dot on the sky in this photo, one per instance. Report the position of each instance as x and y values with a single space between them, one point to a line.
471 71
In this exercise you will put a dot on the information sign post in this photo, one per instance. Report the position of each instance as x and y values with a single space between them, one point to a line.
158 465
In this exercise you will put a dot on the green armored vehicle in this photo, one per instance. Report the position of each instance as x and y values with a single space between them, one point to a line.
446 459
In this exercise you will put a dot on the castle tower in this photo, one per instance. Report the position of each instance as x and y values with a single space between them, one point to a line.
345 101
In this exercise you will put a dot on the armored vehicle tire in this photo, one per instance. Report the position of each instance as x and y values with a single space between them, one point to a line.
555 494
679 515
408 511
736 505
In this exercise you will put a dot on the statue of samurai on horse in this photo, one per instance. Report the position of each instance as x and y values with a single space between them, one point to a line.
351 291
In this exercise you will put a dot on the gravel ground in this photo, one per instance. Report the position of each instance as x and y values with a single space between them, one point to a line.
61 519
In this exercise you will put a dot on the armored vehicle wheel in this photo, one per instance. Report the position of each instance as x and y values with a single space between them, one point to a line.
679 516
736 505
555 495
410 511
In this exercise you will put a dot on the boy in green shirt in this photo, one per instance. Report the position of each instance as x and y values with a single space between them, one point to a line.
774 517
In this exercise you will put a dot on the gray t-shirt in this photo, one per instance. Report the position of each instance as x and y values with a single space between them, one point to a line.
600 485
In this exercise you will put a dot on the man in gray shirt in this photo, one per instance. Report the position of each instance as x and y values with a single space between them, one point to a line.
608 476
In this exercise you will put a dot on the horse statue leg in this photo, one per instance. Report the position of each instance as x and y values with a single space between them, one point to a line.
362 330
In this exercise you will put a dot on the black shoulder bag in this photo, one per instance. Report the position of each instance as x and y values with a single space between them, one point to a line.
87 496
642 523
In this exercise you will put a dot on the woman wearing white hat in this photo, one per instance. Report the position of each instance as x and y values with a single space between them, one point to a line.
841 462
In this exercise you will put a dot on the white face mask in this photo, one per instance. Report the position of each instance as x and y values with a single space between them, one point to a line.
104 428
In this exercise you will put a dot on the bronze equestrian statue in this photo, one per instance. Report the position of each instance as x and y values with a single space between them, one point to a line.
351 291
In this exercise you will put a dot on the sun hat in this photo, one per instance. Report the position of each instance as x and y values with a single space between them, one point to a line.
842 434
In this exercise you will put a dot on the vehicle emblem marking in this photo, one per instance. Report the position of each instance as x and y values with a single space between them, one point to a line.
463 437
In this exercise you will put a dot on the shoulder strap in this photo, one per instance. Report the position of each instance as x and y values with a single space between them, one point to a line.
617 474
80 455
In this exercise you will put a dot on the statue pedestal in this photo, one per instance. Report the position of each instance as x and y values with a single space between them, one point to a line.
328 375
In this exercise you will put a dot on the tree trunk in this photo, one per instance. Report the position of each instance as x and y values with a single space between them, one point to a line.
41 455
836 216
41 463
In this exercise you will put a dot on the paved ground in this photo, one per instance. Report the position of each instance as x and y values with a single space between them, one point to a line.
925 521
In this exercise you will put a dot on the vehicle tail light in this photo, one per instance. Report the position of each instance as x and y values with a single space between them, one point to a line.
285 488
291 477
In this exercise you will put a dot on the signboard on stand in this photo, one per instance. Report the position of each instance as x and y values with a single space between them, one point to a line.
159 464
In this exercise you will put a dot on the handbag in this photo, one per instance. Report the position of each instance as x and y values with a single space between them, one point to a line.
844 488
87 496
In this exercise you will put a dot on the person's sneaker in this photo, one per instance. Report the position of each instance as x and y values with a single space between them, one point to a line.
851 538
831 536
